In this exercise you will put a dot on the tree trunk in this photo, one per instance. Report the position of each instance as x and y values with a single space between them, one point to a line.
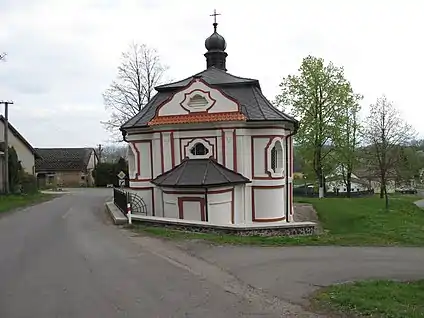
321 182
348 183
384 191
382 186
319 172
386 197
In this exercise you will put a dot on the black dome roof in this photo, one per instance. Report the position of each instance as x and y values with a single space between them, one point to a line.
215 42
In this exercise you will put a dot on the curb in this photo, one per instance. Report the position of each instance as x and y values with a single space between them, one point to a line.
117 216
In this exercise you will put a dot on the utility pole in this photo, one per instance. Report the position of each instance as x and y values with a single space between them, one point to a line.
100 152
6 144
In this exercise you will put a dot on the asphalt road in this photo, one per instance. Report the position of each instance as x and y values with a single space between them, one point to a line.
63 258
293 273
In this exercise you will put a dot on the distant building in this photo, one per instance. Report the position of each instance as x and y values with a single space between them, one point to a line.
25 152
66 167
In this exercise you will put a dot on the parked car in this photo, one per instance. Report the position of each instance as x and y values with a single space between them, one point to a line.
406 190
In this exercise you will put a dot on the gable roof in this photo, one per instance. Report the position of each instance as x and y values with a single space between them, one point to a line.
63 159
19 136
203 173
254 105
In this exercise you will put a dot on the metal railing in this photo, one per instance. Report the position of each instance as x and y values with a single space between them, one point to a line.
121 199
129 203
138 206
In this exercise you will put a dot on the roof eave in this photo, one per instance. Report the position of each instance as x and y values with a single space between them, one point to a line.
145 127
294 122
19 136
197 186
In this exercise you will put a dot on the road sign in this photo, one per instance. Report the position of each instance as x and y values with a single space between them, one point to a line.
121 182
121 175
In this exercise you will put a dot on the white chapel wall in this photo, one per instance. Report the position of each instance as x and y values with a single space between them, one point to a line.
220 206
236 148
265 197
268 203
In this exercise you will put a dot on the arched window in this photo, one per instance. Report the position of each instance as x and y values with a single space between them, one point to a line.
199 149
277 157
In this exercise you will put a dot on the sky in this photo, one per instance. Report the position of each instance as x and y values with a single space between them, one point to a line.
62 55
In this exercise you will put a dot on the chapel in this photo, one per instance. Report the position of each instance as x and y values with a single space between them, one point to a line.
211 148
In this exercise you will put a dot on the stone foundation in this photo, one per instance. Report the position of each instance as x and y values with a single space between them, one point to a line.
268 229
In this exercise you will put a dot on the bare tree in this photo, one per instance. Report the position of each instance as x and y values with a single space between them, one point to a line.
112 153
385 132
140 71
3 56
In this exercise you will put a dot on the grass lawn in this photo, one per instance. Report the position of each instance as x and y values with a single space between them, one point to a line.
378 298
11 202
349 222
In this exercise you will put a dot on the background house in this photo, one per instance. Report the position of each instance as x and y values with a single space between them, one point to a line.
66 167
26 153
362 179
337 184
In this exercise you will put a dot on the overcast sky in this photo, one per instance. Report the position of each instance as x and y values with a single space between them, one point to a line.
63 54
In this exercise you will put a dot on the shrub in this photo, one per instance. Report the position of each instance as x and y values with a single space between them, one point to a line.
28 183
106 172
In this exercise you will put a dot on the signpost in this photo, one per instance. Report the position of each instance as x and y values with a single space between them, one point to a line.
121 175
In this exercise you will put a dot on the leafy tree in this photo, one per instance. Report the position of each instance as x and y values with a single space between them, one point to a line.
138 74
318 96
104 174
410 162
385 133
346 141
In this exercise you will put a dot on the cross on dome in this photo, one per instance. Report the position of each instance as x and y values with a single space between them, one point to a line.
216 45
214 15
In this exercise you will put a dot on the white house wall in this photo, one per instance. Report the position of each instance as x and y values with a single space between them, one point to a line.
239 149
341 186
92 162
25 155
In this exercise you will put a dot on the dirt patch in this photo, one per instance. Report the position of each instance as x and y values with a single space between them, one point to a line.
304 212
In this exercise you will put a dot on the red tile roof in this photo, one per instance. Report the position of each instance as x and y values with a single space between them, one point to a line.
197 118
